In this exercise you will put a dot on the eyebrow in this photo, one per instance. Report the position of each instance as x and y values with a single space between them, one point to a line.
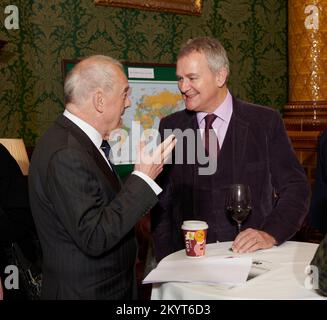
188 75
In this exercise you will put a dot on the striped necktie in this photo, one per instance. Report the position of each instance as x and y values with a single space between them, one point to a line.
208 132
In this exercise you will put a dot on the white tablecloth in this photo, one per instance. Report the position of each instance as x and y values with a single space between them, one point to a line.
285 281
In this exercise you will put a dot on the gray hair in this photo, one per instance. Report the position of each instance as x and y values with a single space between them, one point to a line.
213 50
87 75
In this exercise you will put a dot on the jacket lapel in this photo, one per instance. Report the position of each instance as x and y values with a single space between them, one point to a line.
90 148
239 131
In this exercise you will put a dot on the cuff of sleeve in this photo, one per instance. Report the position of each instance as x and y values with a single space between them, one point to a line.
153 185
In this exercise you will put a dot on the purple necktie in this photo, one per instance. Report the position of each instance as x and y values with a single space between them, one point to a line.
209 133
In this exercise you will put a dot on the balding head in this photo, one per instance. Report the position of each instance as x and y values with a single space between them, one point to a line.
89 74
97 92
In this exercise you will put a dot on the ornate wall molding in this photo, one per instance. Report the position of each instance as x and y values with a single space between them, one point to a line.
192 7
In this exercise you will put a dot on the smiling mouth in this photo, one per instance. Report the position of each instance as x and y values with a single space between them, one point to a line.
189 96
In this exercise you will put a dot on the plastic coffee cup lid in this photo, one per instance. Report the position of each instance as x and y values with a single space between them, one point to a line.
194 225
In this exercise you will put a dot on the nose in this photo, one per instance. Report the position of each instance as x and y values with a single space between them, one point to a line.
183 85
128 102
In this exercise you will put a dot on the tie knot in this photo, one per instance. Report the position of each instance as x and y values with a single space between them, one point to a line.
105 146
210 118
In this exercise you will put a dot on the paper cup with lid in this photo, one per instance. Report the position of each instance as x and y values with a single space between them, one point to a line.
195 235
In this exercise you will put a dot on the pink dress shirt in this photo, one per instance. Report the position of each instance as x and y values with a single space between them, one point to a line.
220 125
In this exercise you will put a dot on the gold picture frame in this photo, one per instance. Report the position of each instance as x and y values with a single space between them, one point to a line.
191 7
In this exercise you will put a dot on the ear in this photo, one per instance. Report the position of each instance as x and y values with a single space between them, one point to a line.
221 77
98 100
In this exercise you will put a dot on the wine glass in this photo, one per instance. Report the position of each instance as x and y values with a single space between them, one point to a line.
238 203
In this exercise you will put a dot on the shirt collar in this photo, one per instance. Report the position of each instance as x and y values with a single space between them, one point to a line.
92 133
223 111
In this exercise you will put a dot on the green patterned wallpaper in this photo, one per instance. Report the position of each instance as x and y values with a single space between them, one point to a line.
31 90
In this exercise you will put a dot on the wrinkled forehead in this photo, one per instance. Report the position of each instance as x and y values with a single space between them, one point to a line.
120 77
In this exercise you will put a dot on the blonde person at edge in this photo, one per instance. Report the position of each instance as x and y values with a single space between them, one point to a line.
83 214
254 150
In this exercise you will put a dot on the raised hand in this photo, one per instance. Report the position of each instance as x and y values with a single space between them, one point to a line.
152 164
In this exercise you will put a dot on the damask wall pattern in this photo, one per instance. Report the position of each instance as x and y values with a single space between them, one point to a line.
31 90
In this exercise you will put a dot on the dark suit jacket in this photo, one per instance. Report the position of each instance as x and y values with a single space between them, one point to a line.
256 151
318 208
15 216
16 221
84 218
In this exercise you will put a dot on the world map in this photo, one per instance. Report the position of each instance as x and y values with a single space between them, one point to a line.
151 101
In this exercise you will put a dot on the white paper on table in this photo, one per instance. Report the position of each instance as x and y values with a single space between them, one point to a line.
260 267
210 270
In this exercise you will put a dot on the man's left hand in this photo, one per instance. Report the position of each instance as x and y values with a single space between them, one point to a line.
251 240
